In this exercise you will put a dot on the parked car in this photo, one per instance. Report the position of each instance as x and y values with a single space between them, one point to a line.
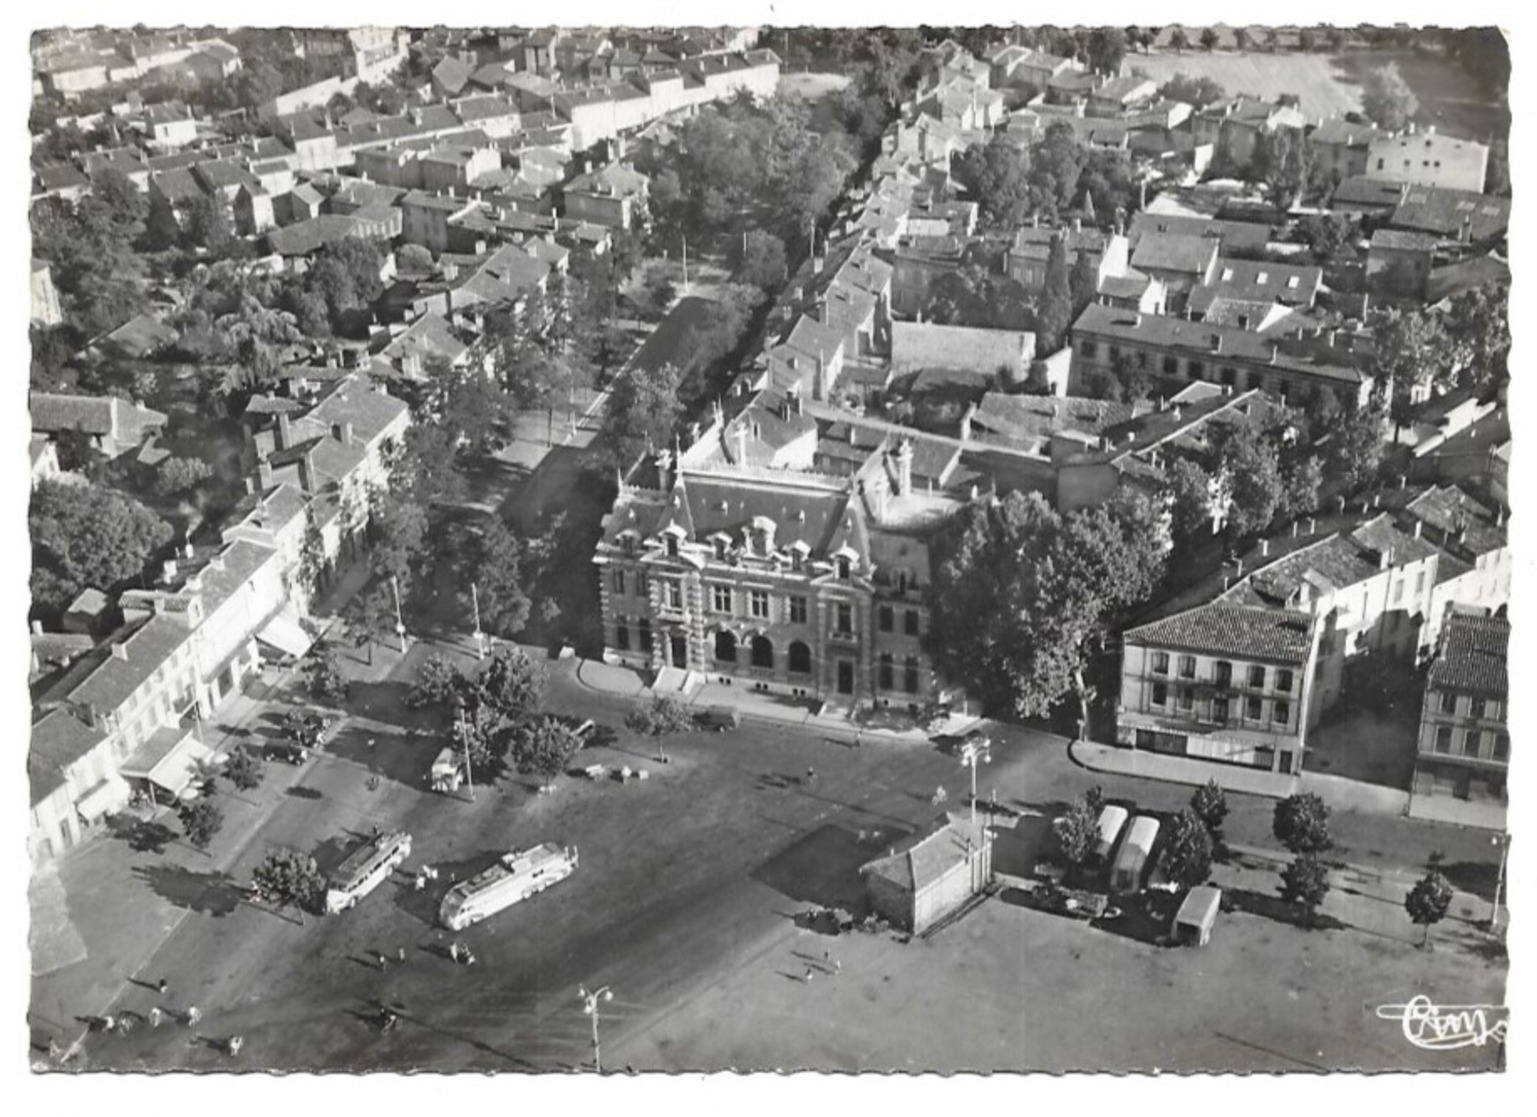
720 718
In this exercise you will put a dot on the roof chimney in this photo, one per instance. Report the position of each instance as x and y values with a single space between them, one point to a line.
1419 526
1264 548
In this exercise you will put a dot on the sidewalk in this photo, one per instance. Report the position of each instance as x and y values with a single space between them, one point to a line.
1339 793
757 705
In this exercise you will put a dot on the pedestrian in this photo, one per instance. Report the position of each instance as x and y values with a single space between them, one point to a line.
400 954
235 1044
164 987
421 881
827 955
383 960
155 1017
376 830
193 1015
109 1023
811 775
810 973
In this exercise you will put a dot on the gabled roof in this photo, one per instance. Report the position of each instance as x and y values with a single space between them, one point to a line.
1446 212
99 415
926 856
1472 657
1347 133
59 740
452 74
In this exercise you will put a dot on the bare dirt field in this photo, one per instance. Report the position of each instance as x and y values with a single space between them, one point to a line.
1329 84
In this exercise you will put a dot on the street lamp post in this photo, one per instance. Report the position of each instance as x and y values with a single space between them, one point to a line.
973 753
590 1007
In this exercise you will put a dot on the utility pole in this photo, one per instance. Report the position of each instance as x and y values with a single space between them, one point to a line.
480 637
400 623
464 744
1503 841
590 1007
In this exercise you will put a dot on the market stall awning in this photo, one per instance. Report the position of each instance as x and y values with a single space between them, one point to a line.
169 759
286 634
106 797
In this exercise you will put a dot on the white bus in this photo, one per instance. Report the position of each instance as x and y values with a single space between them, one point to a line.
365 869
517 876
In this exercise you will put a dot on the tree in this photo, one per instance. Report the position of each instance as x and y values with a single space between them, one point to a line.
1283 162
1302 485
206 223
543 747
201 820
162 230
1476 326
1242 40
1387 99
1355 444
1077 832
1021 595
643 410
1055 313
1307 40
1209 802
244 769
323 676
1056 164
413 258
762 262
1209 39
1249 462
995 175
1410 358
1083 283
511 685
481 737
1304 884
438 683
87 536
1301 823
287 877
1107 49
177 475
1188 852
1179 40
499 578
1325 234
664 716
1095 798
1428 901
1197 502
370 617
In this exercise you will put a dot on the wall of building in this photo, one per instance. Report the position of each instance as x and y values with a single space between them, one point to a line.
1464 746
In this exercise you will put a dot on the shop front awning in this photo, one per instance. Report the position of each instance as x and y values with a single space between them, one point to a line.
169 759
106 797
286 634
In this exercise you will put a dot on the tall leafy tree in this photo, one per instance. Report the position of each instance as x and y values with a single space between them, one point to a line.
287 877
543 747
87 536
1387 99
1301 823
511 685
500 580
201 820
643 410
1209 802
1107 49
1077 832
1055 313
995 175
1187 854
1083 283
1428 902
1304 884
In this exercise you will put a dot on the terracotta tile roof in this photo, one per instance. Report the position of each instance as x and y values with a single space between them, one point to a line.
1473 655
1236 630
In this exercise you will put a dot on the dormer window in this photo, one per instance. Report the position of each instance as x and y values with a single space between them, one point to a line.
628 543
720 548
843 567
672 546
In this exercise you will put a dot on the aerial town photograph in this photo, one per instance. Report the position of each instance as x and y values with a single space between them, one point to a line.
600 550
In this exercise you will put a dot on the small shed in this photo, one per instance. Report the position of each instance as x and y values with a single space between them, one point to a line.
1193 921
1129 872
932 874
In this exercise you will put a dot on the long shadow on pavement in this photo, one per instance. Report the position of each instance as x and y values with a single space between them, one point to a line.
212 893
823 867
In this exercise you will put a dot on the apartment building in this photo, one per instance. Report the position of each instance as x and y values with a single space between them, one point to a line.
1464 738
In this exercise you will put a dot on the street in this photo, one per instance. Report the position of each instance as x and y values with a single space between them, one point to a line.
689 885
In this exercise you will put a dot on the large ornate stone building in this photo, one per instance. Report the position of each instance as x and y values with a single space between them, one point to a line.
787 581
